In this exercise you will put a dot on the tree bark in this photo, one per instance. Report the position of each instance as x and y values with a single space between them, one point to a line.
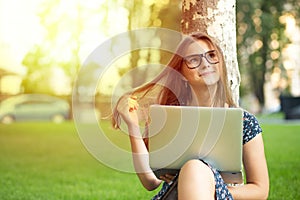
217 18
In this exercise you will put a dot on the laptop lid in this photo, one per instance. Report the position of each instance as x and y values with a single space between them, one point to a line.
180 133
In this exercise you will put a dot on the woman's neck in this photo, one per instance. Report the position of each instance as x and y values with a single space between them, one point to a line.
203 96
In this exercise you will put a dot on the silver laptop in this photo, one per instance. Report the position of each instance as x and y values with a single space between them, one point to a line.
180 133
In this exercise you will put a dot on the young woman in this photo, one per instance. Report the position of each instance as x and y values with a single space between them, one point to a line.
195 76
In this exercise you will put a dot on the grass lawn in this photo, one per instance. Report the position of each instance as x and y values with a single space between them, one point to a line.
48 161
283 157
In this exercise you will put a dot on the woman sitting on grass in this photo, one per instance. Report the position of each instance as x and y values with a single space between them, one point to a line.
195 76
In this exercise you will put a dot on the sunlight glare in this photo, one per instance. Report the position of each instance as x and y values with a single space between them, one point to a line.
60 82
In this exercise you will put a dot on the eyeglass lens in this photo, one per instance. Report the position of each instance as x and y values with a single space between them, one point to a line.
194 61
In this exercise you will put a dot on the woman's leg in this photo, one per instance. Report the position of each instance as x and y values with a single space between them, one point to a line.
196 181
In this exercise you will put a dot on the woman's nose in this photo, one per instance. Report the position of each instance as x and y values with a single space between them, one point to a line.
204 64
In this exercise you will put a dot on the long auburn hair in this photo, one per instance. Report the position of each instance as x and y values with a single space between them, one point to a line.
171 88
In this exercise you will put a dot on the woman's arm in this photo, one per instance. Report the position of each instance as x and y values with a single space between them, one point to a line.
140 153
257 179
141 160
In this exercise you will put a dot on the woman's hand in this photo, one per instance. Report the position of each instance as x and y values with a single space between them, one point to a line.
128 110
167 178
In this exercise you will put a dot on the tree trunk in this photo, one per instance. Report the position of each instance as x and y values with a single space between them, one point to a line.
217 18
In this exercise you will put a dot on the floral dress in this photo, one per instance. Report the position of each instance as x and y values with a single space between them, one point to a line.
251 128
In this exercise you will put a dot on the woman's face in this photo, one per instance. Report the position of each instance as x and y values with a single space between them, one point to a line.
208 72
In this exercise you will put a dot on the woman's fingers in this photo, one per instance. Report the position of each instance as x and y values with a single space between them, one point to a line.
128 104
132 103
126 108
167 178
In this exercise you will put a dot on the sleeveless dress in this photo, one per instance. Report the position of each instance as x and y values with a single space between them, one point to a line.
251 128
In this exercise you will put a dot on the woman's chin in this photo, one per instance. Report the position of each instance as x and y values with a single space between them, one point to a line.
210 80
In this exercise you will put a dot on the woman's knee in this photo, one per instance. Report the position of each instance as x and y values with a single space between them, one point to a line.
195 164
196 181
197 169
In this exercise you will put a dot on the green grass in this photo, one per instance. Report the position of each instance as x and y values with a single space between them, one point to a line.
283 156
48 161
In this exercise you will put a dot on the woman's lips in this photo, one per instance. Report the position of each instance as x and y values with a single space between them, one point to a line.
205 73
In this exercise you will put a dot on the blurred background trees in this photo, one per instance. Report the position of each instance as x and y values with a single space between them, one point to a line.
262 39
267 42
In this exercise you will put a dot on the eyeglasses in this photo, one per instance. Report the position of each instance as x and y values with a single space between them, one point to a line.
194 61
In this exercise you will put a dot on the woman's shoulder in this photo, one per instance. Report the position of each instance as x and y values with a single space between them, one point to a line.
251 126
248 116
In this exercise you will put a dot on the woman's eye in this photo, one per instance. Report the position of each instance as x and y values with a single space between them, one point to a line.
212 55
193 60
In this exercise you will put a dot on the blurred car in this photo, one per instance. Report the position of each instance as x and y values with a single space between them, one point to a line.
33 107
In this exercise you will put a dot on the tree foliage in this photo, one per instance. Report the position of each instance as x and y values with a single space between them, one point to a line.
260 36
66 26
261 39
155 13
66 23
